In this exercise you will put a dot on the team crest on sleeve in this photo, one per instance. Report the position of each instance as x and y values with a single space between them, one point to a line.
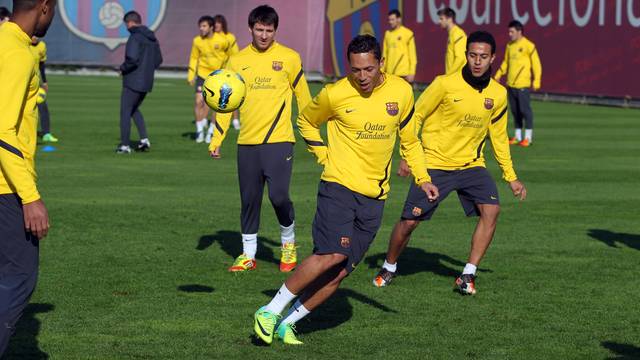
100 21
488 103
392 108
276 65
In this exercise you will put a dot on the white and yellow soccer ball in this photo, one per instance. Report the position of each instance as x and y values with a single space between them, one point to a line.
42 96
224 90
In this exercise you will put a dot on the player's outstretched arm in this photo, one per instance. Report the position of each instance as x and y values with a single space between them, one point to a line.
316 113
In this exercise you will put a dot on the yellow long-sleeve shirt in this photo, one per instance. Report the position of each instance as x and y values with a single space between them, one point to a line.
456 48
399 51
362 133
19 119
39 52
458 120
521 61
210 53
271 77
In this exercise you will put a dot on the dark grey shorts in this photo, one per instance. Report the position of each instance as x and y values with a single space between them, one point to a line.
346 222
199 83
474 186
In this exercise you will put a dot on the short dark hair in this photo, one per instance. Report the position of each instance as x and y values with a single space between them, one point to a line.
516 25
23 5
482 37
132 16
364 44
222 20
4 12
447 12
263 14
208 19
395 12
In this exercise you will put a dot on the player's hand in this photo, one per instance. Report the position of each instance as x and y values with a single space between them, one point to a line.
192 82
410 78
431 191
403 168
36 218
536 87
215 153
518 189
45 86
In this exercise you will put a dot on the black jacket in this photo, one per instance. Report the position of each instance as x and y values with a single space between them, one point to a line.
142 58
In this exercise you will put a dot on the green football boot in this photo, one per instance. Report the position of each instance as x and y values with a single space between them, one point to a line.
264 324
287 333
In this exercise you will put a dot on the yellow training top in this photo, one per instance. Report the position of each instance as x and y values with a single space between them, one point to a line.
19 119
399 52
456 49
39 52
271 78
361 130
210 53
520 60
458 120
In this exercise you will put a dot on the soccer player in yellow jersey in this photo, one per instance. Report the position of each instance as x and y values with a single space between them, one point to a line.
273 73
399 49
456 44
23 216
210 51
521 61
39 51
459 111
364 113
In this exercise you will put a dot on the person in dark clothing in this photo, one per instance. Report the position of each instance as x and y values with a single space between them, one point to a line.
142 58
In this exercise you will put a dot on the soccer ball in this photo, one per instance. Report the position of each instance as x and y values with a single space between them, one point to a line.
42 96
224 90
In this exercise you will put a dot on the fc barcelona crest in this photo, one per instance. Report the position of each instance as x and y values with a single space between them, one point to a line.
345 242
392 108
488 103
100 21
277 65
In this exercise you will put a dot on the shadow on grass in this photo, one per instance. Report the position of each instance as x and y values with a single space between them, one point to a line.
415 260
622 351
612 239
24 343
231 243
334 312
189 134
195 288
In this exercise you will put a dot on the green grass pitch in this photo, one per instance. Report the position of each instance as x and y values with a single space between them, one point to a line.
135 266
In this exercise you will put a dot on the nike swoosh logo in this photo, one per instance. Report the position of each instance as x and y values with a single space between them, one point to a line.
245 68
456 100
289 158
494 198
350 110
264 332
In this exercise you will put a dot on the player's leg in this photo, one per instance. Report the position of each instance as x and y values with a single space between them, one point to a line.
277 162
417 208
524 101
512 97
18 266
45 123
479 197
236 120
138 119
201 110
127 103
251 180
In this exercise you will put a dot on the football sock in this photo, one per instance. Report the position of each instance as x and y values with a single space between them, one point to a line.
250 245
211 127
528 134
200 124
390 267
280 301
519 134
287 234
296 312
469 269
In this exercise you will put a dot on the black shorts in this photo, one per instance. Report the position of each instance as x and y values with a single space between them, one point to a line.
198 84
346 222
474 186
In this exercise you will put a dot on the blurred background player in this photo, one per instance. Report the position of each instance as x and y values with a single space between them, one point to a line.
23 216
521 61
39 51
142 58
399 49
456 44
5 14
365 113
273 73
210 51
454 155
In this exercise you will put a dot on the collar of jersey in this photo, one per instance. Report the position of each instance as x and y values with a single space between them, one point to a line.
14 28
363 94
270 49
